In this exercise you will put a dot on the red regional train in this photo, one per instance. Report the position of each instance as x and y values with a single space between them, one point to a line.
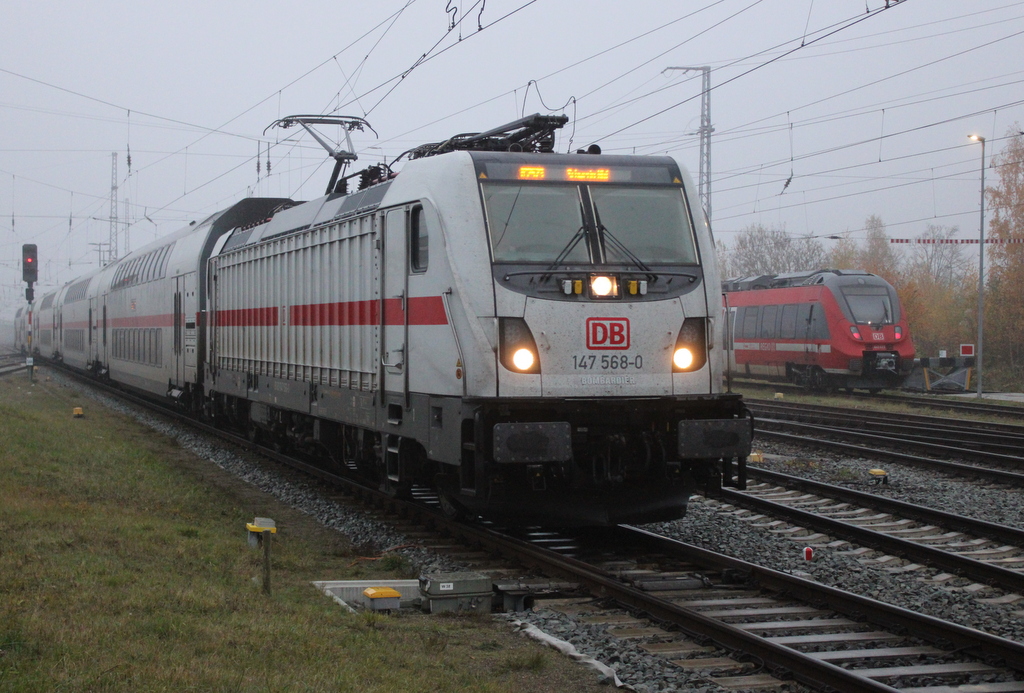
823 329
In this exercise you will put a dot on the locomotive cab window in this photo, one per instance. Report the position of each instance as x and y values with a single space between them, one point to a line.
567 224
869 305
533 223
649 223
418 241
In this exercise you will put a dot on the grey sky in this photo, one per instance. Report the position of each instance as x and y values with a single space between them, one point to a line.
872 119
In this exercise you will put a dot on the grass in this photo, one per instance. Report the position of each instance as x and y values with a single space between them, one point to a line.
124 567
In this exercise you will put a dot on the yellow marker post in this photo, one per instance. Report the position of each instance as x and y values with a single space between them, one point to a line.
260 530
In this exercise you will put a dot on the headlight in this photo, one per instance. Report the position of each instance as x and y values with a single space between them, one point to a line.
523 359
604 286
517 349
691 352
683 359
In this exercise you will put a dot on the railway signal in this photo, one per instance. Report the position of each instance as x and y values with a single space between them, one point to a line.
28 263
29 273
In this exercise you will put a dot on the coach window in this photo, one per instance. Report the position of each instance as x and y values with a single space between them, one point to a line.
788 330
768 322
819 325
418 241
737 332
147 269
750 323
803 320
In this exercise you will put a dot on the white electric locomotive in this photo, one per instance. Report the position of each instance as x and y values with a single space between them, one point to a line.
531 334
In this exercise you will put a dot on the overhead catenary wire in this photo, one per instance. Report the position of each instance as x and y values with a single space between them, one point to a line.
795 125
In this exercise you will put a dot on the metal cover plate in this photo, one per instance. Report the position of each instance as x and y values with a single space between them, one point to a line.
714 438
533 442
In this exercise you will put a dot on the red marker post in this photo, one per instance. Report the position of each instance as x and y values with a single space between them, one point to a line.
808 554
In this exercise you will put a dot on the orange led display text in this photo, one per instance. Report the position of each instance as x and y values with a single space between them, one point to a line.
532 172
588 174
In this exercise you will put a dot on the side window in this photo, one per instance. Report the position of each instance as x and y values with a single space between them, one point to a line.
803 320
819 325
788 330
768 322
750 323
736 329
418 241
147 273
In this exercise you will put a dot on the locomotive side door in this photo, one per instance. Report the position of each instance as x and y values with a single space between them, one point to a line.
393 315
805 334
189 341
101 346
184 342
90 337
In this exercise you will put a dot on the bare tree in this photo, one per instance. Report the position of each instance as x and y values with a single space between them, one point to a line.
878 255
936 291
934 256
767 250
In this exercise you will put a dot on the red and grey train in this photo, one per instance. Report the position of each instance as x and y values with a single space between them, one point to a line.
531 334
823 329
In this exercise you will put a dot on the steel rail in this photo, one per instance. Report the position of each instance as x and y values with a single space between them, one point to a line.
978 643
921 513
865 536
999 475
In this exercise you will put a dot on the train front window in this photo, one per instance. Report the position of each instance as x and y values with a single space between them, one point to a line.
534 223
562 224
650 224
870 305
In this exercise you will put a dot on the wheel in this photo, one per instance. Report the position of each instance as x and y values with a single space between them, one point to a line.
450 507
400 490
254 434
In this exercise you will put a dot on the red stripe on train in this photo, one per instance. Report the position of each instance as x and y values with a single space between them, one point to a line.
423 310
248 317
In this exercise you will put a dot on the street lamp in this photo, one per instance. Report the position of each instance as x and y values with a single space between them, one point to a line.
981 260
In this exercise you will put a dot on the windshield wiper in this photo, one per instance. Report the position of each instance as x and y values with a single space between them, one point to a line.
617 244
573 242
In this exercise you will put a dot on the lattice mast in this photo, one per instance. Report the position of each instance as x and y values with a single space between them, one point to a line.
704 182
112 249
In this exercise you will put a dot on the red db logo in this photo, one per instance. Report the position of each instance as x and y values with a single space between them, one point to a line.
607 333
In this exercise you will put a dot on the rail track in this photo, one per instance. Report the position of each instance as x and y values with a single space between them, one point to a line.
11 363
817 514
993 448
745 626
944 402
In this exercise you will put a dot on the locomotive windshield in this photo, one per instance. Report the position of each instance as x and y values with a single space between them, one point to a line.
588 224
871 305
531 223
